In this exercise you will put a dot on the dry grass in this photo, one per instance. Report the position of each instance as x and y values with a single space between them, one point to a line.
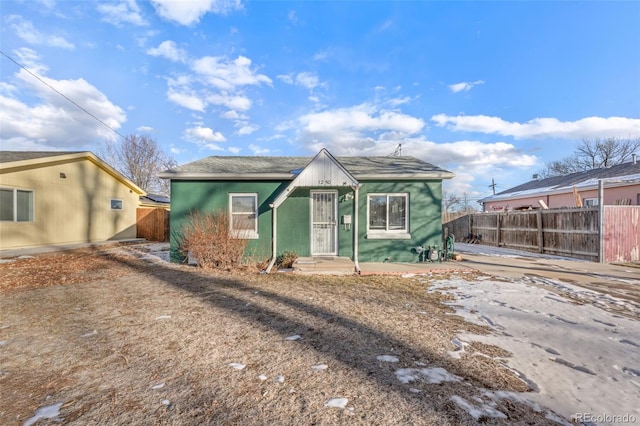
99 345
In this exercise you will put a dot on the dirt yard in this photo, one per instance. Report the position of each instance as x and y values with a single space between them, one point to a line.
108 337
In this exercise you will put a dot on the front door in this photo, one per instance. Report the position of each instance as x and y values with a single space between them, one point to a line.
324 223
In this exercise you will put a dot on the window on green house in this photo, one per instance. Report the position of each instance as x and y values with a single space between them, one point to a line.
244 215
388 214
16 205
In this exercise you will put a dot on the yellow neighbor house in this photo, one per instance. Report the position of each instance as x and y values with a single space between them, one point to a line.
50 198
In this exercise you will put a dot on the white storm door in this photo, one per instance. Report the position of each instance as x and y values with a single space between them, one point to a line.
324 223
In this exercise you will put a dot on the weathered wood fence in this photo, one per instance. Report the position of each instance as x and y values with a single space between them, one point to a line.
152 224
564 232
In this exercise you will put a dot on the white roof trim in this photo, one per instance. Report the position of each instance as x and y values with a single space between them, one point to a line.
299 180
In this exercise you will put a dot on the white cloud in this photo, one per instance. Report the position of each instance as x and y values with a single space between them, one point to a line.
314 99
399 101
122 12
27 32
360 118
308 80
234 149
145 129
54 122
542 127
285 78
168 49
257 150
293 18
30 59
322 55
190 12
204 134
233 115
223 74
186 100
464 86
235 102
247 129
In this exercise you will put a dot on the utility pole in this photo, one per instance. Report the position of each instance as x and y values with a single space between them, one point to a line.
493 186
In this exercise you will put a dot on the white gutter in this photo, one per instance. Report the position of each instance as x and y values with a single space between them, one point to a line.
274 232
355 228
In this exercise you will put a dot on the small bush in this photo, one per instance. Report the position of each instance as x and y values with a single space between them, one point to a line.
286 259
208 238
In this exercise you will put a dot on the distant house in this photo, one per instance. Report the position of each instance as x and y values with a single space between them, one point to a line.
49 198
155 201
363 208
621 183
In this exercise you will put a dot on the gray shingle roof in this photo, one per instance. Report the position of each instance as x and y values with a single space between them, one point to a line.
251 165
629 170
10 156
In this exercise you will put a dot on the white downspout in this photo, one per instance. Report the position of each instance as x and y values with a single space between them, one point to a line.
355 229
274 231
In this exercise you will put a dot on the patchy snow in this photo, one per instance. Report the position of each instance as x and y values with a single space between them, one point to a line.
3 342
387 358
92 333
163 317
429 375
336 403
476 411
319 367
48 412
487 250
158 386
237 365
293 338
279 379
262 377
166 402
576 358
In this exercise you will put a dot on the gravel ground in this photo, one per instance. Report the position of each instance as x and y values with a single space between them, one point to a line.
108 337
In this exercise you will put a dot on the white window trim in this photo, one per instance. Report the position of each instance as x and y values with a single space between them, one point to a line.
389 234
15 204
111 200
591 202
246 235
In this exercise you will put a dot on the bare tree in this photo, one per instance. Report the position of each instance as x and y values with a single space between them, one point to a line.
593 154
140 159
466 203
449 201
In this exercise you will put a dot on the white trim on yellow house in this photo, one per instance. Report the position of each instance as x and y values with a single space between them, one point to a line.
14 166
72 199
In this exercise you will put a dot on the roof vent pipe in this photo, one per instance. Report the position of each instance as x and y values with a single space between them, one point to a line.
634 158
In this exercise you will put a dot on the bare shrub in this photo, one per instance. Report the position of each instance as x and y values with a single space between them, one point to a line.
210 241
286 259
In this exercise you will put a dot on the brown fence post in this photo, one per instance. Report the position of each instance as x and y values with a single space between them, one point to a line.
540 232
498 217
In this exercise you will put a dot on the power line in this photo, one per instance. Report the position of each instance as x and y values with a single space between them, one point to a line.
81 108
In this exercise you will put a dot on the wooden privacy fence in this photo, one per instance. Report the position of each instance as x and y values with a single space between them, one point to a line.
152 224
621 234
565 232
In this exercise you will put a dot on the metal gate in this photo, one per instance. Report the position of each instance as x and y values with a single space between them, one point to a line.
324 224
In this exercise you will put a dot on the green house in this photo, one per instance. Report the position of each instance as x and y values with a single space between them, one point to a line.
369 209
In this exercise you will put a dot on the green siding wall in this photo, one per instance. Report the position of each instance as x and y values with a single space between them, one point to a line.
425 220
209 196
294 216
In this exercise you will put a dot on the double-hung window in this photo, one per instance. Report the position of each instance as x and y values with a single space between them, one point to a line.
16 205
388 216
244 215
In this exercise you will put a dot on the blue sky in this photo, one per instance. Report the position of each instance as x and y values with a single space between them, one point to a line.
483 89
